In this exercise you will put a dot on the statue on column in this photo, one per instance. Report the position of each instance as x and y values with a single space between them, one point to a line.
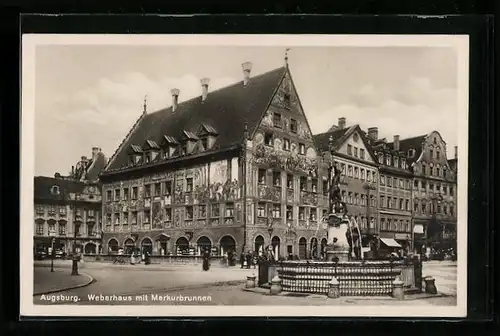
335 199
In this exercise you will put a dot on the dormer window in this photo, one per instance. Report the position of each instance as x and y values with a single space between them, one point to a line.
54 190
151 150
411 153
388 160
168 146
396 162
207 135
135 154
188 142
381 158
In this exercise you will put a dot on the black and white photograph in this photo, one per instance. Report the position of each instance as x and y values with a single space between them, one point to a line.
244 175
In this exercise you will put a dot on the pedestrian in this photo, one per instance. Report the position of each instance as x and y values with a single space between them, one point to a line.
230 258
254 259
242 259
147 260
248 259
206 260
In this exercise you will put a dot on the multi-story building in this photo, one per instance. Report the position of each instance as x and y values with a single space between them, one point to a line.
351 149
434 191
65 205
67 215
395 191
230 170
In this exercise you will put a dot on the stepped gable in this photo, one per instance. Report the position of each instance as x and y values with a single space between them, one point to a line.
225 110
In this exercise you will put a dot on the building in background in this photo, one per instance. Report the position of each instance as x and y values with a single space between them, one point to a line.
65 205
434 192
230 170
395 191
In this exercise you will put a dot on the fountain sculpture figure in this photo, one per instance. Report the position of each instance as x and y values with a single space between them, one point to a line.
343 236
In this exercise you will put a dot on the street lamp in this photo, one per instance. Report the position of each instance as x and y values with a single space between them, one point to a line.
74 261
52 241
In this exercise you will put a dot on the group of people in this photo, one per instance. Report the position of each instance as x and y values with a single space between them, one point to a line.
248 259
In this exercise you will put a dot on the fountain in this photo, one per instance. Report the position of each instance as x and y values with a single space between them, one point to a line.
345 266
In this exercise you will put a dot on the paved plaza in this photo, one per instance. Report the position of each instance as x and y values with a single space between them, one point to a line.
165 284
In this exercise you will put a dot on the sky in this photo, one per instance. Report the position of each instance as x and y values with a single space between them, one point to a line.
90 95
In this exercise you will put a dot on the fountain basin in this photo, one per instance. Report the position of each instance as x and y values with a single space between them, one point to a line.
356 278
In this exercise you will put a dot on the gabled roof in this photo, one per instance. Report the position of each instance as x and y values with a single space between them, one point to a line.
43 188
96 167
227 110
207 129
189 136
150 144
323 140
134 149
169 140
410 143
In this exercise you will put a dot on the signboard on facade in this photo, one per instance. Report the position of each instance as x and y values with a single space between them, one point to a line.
402 236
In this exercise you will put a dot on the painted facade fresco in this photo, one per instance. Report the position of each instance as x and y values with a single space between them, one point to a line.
280 159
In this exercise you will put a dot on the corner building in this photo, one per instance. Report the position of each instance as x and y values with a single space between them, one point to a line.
234 169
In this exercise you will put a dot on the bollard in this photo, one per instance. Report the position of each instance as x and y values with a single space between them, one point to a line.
250 281
333 288
275 285
397 289
430 285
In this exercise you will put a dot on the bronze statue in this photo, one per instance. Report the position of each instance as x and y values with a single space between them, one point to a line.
335 200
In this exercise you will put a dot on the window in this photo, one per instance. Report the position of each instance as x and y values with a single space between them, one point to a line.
344 199
356 198
303 183
435 141
349 200
277 179
444 172
168 188
445 210
416 184
147 214
452 210
401 184
286 100
189 184
423 207
147 190
356 172
117 218
431 186
437 155
52 228
261 210
39 229
389 202
157 189
438 172
415 206
302 213
90 213
168 214
451 191
184 149
381 158
382 200
369 176
362 153
363 176
189 213
117 195
401 204
314 185
388 160
215 211
125 194
289 212
262 176
276 210
325 187
125 218
374 176
356 151
396 162
62 211
108 219
302 149
268 139
289 181
313 214
363 199
286 144
202 211
431 153
204 143
293 125
349 149
389 181
349 171
134 193
39 209
444 190
407 205
438 209
277 120
62 229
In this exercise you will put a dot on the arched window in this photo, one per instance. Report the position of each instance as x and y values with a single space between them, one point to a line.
204 244
129 246
227 244
113 246
302 248
259 244
182 246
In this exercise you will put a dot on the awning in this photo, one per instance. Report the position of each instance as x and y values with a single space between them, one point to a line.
418 228
390 242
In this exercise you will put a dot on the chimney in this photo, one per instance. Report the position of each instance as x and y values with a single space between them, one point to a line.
95 151
396 143
204 87
456 152
84 158
341 123
175 98
72 170
247 67
373 133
